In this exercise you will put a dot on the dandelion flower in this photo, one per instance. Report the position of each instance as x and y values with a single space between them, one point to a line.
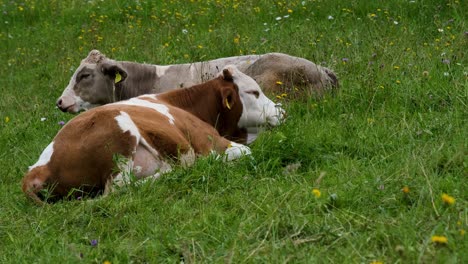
398 81
106 262
447 199
279 82
405 190
439 239
316 192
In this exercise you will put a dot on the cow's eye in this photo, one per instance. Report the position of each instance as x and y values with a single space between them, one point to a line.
84 76
255 93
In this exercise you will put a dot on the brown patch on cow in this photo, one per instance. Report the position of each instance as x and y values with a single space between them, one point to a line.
215 113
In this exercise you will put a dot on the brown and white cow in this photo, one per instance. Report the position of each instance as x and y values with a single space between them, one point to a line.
149 131
92 84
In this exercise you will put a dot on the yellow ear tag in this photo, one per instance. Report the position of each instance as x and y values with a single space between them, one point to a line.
227 104
118 77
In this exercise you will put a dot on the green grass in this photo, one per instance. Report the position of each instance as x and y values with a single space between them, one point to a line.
399 120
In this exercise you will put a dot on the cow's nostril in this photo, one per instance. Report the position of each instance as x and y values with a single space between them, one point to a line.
59 102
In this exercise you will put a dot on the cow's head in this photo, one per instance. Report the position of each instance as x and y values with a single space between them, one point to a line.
92 83
258 110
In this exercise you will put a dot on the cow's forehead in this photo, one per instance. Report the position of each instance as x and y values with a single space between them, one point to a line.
245 83
84 66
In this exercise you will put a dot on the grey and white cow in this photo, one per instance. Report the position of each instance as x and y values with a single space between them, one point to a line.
96 80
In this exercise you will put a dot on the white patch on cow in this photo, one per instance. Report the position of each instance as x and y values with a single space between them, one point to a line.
126 123
164 110
81 104
45 156
149 96
236 150
150 156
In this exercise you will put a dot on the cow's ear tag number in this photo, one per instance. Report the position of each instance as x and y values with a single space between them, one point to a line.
118 77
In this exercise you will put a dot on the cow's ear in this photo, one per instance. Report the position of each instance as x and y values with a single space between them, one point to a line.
114 71
229 98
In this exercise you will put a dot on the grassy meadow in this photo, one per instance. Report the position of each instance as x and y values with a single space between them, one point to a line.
377 173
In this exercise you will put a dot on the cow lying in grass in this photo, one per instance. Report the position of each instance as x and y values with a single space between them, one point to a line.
92 83
151 132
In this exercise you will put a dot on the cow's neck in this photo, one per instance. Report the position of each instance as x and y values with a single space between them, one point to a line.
188 99
140 80
205 102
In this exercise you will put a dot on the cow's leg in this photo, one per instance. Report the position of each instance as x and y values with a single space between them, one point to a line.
125 168
236 150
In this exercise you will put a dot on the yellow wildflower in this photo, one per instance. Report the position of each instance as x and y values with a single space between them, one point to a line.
448 199
316 192
405 190
290 11
376 262
396 67
7 119
284 95
398 81
462 232
106 262
279 82
439 239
